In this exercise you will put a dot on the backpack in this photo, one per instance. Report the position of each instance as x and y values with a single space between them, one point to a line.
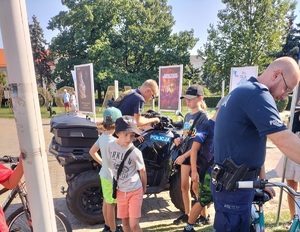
117 102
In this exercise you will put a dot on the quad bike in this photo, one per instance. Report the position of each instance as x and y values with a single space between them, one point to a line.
74 136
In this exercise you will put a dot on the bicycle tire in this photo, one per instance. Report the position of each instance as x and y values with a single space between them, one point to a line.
17 221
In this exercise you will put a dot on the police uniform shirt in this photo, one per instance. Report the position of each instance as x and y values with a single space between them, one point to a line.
252 113
132 104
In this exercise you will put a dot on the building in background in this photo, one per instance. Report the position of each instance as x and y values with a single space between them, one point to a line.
197 61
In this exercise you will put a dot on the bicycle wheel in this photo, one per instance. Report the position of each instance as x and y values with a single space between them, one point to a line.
17 221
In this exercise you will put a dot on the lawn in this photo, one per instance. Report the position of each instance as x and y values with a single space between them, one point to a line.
270 223
6 112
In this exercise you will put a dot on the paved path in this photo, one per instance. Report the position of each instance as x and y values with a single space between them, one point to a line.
157 209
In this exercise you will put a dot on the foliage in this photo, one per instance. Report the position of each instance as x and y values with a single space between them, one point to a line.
41 56
246 33
2 79
291 46
125 40
193 74
282 104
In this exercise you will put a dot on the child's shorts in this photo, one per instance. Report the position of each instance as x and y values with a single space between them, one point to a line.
129 204
204 191
107 191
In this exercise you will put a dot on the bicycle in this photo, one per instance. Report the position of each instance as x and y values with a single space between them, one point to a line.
20 219
257 215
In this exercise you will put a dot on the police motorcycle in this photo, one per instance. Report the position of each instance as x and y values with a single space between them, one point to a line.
74 134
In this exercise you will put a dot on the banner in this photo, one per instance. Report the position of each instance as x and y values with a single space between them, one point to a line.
85 88
240 75
170 82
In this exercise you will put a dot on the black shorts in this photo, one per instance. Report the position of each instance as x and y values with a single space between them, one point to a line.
187 161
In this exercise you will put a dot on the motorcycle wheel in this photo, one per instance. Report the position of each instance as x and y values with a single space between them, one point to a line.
84 198
175 192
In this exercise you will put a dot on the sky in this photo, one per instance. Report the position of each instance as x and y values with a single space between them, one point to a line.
188 14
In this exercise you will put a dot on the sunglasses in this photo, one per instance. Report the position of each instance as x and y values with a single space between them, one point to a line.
287 89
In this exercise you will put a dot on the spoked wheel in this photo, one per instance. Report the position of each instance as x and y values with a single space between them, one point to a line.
17 221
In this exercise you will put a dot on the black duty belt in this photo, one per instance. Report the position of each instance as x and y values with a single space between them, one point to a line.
228 173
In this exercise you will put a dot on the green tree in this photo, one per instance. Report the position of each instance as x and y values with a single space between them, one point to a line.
246 34
125 40
41 56
291 46
2 79
193 74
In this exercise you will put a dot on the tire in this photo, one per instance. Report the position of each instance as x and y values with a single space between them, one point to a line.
175 191
84 198
17 221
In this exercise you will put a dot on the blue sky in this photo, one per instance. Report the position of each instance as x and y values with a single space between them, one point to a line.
188 14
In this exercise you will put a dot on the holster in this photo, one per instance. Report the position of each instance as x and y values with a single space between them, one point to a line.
228 173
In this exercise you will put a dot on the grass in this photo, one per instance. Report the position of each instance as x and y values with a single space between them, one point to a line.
6 112
270 224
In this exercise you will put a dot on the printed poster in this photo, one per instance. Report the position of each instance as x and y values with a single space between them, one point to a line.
85 88
170 82
240 75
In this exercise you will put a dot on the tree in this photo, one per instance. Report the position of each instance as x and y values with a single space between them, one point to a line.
125 40
193 74
291 46
41 56
2 79
248 31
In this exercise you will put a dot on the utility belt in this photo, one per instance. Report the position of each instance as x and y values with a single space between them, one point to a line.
227 174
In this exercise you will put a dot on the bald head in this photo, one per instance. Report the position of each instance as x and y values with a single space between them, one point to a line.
285 66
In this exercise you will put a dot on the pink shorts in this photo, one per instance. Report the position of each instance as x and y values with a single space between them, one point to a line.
67 104
129 204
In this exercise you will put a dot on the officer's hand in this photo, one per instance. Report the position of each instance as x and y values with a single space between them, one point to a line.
156 120
270 191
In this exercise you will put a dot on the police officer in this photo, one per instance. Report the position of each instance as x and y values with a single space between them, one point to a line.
246 119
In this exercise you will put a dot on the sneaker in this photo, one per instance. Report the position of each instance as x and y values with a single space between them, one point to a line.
192 230
201 221
287 225
182 219
106 228
119 228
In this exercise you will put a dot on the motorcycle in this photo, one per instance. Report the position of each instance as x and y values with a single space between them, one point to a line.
73 137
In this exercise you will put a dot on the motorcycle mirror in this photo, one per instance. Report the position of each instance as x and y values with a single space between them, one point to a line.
178 113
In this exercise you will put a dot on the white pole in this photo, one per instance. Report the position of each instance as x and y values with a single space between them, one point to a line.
23 89
116 89
223 88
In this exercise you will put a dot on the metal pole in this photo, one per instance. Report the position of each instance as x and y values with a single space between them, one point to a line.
223 88
23 90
